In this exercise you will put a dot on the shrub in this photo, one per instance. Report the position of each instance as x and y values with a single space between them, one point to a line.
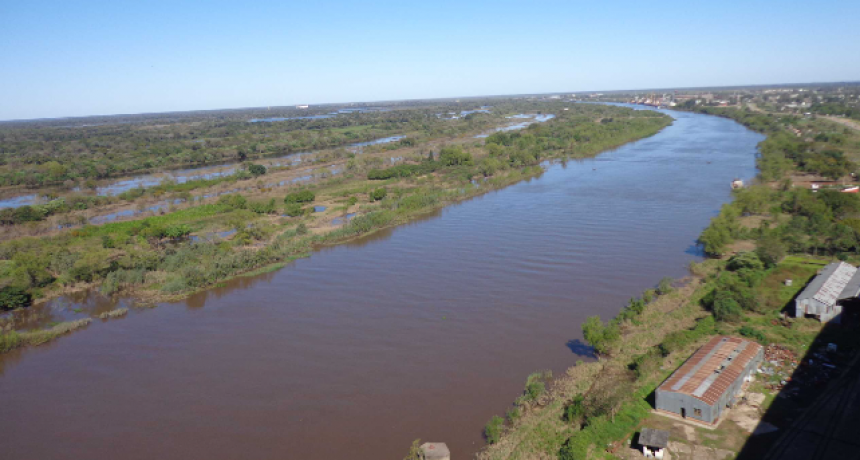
493 430
177 231
730 285
720 232
754 334
414 451
575 410
646 363
455 156
535 385
770 251
304 196
301 229
665 286
378 194
262 207
107 242
9 341
12 297
257 170
235 201
599 336
293 210
568 452
726 308
745 260
401 171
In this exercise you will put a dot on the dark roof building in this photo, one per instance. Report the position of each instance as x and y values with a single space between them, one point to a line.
710 380
654 438
653 442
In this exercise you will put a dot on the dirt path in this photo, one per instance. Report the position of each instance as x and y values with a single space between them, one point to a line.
847 122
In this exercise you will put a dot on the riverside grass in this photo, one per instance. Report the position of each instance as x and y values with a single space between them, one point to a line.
12 340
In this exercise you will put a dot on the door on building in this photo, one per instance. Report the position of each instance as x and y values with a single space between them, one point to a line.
683 412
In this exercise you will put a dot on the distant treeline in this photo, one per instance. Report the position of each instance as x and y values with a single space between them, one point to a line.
35 155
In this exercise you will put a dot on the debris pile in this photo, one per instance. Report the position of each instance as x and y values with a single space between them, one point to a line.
779 364
782 370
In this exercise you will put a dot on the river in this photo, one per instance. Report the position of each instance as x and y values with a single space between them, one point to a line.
421 331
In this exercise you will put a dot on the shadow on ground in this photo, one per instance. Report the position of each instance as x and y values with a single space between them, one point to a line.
817 408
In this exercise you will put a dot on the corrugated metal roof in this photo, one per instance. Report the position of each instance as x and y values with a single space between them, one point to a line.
835 284
712 369
829 284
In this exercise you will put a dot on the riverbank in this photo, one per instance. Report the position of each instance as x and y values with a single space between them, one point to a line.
168 257
596 408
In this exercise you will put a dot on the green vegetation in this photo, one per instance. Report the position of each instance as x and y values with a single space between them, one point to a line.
493 430
256 170
414 451
12 297
783 152
786 229
180 252
37 154
11 340
304 196
535 386
378 194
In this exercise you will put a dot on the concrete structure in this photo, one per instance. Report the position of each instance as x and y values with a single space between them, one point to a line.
824 297
435 451
653 442
710 380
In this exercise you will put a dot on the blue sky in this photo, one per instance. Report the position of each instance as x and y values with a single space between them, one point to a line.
87 57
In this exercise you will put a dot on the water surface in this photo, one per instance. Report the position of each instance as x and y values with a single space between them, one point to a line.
423 331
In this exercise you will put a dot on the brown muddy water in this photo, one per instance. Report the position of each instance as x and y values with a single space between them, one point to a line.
423 331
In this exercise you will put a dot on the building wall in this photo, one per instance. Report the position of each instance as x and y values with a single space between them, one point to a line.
803 307
671 401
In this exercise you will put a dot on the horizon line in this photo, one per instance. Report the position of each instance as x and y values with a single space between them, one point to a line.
382 101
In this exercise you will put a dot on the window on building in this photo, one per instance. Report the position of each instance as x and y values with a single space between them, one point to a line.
697 412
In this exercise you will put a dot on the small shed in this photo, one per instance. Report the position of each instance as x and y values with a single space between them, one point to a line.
435 451
653 442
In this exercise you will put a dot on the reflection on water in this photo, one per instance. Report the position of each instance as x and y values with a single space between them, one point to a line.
424 330
534 118
340 220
